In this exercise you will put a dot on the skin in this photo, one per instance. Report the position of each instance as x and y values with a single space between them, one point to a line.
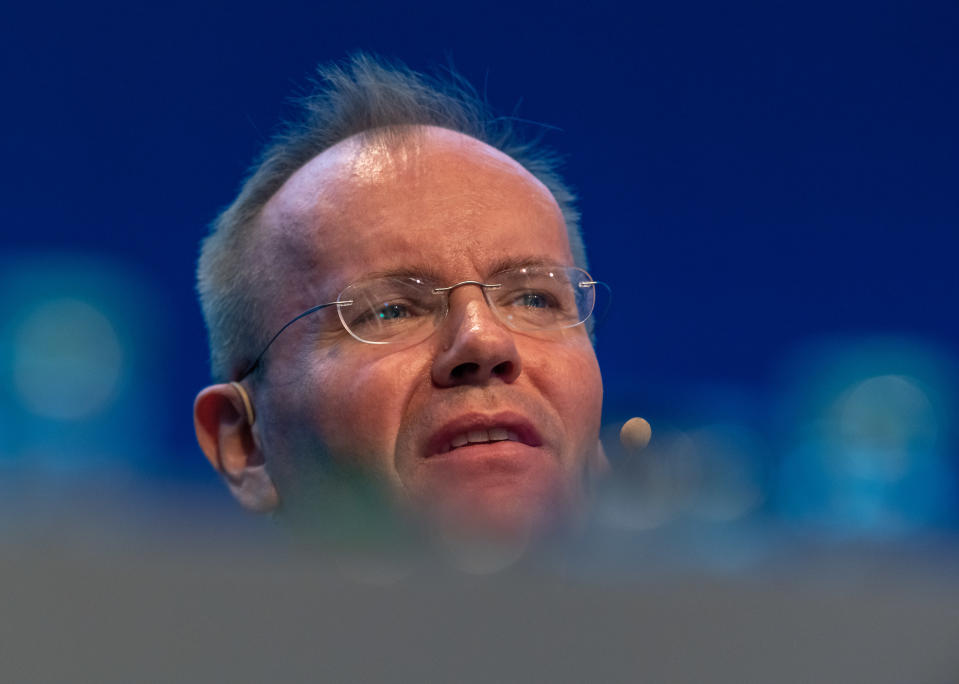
439 202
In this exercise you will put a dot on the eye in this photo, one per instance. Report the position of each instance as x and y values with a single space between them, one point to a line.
534 300
391 311
388 309
381 312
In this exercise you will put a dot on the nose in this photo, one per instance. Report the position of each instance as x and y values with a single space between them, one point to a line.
476 347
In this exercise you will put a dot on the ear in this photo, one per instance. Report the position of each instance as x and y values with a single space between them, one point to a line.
223 428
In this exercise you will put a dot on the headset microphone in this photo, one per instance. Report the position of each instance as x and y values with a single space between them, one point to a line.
635 435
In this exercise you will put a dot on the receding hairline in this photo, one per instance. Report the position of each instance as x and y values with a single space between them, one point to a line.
380 146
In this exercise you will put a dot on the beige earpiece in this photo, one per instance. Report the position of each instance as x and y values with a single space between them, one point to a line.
247 404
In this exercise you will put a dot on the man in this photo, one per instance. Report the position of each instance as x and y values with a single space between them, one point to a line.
396 305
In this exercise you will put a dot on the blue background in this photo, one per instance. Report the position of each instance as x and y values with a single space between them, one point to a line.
768 187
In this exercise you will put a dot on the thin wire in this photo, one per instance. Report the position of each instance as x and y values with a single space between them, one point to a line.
259 357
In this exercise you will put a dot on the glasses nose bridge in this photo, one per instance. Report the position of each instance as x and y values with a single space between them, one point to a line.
484 288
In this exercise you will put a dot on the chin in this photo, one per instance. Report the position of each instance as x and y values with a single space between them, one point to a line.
503 511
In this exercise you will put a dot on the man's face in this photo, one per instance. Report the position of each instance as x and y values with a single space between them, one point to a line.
438 203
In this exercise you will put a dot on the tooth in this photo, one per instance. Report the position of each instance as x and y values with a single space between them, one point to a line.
459 441
478 436
498 435
512 436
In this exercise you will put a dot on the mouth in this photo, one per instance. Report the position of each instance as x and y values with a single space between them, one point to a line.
476 429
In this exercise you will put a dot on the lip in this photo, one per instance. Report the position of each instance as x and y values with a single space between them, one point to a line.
438 443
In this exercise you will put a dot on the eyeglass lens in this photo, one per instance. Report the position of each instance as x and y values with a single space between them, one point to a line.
404 309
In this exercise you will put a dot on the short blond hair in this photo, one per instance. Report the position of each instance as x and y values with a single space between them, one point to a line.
362 94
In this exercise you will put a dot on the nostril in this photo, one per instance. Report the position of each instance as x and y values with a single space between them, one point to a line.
465 370
503 369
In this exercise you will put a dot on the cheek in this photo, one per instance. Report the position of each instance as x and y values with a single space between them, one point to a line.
358 406
337 412
569 377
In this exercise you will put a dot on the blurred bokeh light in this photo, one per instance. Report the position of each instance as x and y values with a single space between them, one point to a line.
78 348
67 360
871 451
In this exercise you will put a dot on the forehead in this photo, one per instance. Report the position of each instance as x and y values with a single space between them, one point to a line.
423 197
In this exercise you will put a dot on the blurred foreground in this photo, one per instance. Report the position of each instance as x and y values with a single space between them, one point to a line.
142 590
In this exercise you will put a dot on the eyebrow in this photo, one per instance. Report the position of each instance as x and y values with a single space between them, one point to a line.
509 263
419 271
432 275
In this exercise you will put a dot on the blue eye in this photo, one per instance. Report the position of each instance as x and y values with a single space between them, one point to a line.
533 300
389 312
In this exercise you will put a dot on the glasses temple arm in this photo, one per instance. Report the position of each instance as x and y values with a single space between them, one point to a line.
259 357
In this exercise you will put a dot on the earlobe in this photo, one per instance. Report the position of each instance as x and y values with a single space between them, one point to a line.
223 418
254 489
